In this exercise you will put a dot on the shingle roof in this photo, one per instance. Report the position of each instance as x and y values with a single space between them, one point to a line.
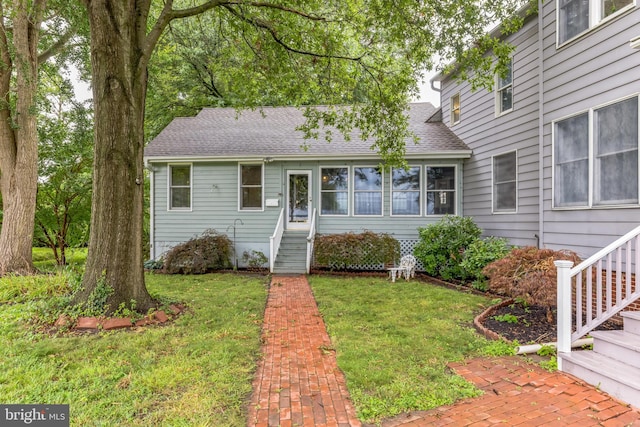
223 133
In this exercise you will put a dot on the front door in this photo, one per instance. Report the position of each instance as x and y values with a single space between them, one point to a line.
298 199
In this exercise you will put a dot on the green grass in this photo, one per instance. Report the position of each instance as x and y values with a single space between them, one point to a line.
196 371
393 341
43 258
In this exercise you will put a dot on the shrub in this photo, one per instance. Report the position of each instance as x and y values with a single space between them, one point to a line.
480 253
442 246
255 260
528 274
341 251
153 264
210 251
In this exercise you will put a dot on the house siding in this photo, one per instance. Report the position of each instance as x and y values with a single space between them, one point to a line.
488 135
596 68
215 205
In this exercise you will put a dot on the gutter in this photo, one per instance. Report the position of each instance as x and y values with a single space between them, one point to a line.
448 154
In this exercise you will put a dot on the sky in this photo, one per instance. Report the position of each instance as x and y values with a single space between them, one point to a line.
427 94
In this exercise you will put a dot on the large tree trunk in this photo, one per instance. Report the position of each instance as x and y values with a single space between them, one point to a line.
119 86
19 138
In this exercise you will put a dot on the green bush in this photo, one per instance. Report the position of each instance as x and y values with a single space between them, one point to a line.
255 260
348 250
442 246
211 251
480 253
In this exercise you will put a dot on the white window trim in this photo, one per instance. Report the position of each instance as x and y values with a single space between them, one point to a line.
451 110
169 186
348 190
456 188
493 186
240 208
354 191
594 20
590 204
498 90
420 198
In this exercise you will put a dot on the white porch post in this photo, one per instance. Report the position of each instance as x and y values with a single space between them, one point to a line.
564 308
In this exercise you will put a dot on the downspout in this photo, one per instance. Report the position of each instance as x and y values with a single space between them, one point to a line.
435 89
152 246
540 235
534 348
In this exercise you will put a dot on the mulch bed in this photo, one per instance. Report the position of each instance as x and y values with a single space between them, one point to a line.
531 326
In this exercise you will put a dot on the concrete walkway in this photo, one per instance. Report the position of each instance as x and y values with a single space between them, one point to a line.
298 382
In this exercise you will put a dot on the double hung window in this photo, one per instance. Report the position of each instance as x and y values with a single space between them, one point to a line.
455 109
504 90
251 187
441 190
334 191
577 16
596 157
367 191
179 187
405 191
505 182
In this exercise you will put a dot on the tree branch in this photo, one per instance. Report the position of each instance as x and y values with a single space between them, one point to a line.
55 48
259 23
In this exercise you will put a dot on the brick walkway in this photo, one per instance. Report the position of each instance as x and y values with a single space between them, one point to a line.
298 382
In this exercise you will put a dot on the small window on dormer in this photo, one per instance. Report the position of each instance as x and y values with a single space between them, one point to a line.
455 108
504 90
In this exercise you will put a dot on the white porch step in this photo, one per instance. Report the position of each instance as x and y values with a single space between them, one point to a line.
619 379
631 321
622 346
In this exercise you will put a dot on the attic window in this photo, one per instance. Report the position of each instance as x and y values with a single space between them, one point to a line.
455 109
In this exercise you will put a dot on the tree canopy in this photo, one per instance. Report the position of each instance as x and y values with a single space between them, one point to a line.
362 59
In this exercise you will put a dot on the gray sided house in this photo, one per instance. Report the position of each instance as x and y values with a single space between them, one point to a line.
248 175
555 143
555 164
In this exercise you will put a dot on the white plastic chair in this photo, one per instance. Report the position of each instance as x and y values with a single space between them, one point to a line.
406 269
408 266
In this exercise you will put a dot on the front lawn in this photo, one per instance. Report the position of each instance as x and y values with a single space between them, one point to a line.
393 341
196 371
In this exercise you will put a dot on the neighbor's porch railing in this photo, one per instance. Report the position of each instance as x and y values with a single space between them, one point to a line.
275 239
310 240
597 289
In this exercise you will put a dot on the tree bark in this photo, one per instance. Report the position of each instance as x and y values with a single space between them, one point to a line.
19 137
119 86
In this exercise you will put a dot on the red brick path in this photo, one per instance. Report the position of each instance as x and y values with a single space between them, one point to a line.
299 384
518 393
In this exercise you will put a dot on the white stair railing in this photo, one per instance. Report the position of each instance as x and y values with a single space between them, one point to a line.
596 289
275 239
310 240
